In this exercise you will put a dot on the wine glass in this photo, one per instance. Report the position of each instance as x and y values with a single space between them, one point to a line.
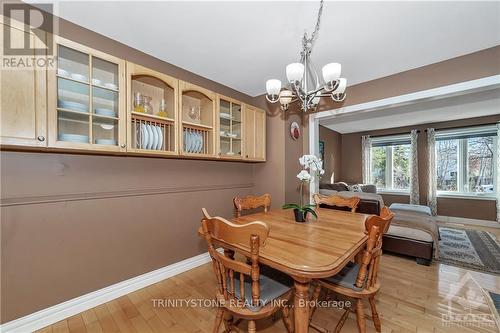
194 112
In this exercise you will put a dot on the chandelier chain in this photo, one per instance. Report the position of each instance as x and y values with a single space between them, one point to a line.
309 41
304 84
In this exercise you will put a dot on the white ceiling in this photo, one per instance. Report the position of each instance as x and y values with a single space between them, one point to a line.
471 105
243 43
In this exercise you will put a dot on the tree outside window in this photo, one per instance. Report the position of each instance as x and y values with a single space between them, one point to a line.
391 167
447 165
466 165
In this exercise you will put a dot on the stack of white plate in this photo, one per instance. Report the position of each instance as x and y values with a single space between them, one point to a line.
74 106
225 115
193 142
74 137
110 142
149 137
105 112
79 77
62 72
111 86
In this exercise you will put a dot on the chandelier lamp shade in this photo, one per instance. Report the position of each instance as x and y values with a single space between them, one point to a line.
303 82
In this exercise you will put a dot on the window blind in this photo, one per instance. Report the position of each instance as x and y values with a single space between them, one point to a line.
466 133
391 140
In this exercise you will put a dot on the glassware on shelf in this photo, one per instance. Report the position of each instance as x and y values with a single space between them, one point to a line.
148 105
163 109
138 102
194 112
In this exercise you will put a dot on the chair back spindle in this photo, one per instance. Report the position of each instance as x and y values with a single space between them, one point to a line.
376 226
230 272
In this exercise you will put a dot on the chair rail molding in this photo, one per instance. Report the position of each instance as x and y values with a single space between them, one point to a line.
28 200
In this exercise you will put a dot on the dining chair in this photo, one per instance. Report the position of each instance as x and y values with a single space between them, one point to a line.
242 291
252 202
358 280
336 201
388 215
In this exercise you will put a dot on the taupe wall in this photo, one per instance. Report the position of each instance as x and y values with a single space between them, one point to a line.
465 68
293 151
72 224
108 219
333 153
467 208
270 176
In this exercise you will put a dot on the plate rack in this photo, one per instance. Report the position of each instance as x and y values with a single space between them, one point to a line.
197 139
162 130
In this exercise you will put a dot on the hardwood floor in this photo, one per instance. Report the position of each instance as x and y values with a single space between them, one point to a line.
412 299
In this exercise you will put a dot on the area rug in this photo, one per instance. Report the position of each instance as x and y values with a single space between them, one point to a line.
472 249
494 304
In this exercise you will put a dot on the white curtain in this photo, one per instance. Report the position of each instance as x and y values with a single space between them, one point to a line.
498 172
414 189
432 173
366 156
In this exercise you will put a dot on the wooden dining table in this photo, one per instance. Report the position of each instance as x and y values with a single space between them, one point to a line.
318 248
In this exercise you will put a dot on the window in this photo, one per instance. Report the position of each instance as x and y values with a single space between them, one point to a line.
465 161
391 163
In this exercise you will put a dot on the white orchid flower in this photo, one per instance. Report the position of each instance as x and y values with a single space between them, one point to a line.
304 176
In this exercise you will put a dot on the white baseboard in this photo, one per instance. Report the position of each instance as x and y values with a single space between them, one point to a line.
461 220
49 316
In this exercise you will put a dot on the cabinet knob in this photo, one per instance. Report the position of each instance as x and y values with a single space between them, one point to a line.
41 138
123 146
247 156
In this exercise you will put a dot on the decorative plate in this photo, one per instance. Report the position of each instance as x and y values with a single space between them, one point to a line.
295 130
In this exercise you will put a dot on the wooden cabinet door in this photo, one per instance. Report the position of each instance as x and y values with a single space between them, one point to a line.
161 89
249 123
23 118
260 135
197 109
230 120
255 133
86 99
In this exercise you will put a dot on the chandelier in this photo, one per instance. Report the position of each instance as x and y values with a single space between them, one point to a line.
304 84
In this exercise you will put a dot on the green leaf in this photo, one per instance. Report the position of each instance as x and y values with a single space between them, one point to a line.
312 211
291 206
310 206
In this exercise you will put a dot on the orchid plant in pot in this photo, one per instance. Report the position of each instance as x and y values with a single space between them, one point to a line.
311 167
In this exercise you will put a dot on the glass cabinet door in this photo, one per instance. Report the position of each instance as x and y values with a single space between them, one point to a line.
230 120
73 96
105 102
87 98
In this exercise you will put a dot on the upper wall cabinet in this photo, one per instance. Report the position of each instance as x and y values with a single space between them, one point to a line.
91 101
197 113
230 128
255 133
86 99
152 104
23 109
